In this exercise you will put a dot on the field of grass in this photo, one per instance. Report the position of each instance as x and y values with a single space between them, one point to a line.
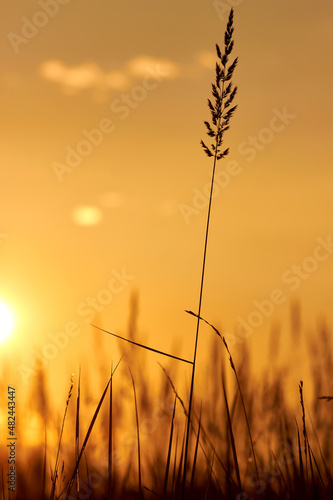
223 433
125 438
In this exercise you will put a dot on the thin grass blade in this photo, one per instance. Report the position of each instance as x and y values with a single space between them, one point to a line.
166 476
44 464
231 434
110 441
70 483
56 465
195 457
137 433
210 475
77 434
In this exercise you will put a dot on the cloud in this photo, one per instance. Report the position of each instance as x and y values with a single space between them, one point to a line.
206 59
117 80
90 75
138 66
82 76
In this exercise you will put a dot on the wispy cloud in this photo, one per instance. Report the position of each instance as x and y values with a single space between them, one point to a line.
90 75
138 66
206 59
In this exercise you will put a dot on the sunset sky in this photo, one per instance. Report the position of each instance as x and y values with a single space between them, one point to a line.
103 180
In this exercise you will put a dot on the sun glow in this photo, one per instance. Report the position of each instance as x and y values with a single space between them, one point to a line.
6 321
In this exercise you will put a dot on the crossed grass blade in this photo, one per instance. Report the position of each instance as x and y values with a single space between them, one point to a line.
244 408
327 470
180 467
315 495
231 434
282 475
292 472
239 389
174 389
151 491
175 466
206 438
56 465
167 468
71 480
144 346
210 475
318 471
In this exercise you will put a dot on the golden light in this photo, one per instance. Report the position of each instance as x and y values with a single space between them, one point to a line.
87 215
6 321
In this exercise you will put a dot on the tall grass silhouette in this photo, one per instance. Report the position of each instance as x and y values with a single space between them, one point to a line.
250 440
223 93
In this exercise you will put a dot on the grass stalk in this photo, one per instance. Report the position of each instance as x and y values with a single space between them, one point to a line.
318 470
204 434
44 462
305 436
56 465
244 408
110 441
300 459
239 388
167 468
77 434
231 434
138 435
87 470
327 471
180 467
221 114
175 466
195 457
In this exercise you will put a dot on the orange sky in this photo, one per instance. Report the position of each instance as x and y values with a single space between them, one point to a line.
140 74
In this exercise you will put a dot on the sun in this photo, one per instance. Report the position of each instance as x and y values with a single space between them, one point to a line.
6 321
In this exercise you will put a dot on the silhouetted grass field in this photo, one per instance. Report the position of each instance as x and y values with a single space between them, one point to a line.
132 429
124 437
